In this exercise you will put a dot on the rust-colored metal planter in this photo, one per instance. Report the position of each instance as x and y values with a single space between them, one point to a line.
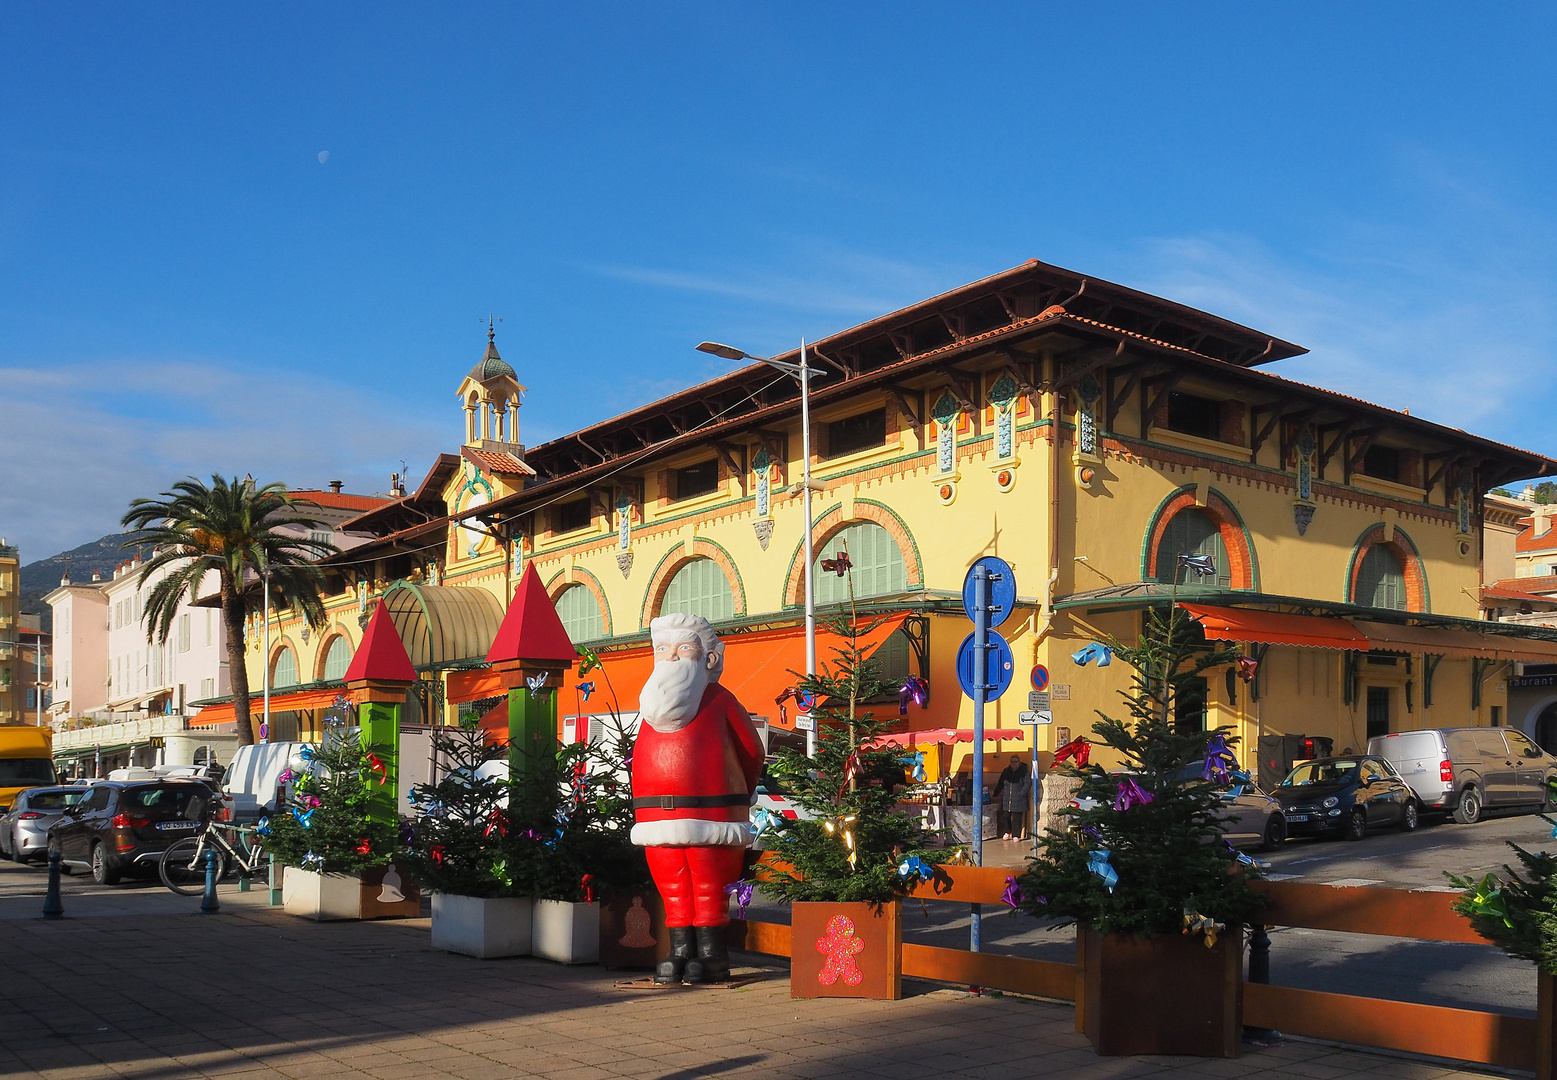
1545 1025
632 929
846 950
1167 994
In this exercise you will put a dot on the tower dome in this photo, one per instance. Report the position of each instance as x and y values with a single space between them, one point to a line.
491 365
490 396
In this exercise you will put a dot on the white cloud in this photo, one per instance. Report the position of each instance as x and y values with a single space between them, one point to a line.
82 439
1462 342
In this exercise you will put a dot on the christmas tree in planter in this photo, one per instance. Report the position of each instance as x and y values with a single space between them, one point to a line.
845 871
1145 869
488 845
327 828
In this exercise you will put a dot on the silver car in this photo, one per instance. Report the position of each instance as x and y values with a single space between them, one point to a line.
1464 771
24 830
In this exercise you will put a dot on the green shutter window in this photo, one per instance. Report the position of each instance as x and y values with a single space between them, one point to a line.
337 660
1381 581
876 560
285 673
580 613
700 588
1192 532
895 655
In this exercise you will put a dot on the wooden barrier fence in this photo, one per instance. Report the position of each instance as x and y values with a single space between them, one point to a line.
1493 1038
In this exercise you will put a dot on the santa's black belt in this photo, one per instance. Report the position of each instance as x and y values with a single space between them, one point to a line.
688 802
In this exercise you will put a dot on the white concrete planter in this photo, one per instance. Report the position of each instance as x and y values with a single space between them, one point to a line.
567 933
485 928
321 896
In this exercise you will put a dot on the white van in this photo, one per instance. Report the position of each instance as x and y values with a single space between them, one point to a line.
254 777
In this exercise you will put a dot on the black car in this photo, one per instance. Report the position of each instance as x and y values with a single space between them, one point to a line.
1346 796
127 824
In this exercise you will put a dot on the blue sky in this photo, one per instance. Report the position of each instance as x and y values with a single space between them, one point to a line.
186 287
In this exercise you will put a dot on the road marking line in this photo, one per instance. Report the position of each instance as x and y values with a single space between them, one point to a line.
1352 882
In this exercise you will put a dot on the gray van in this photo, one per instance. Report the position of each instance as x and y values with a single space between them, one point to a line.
1466 770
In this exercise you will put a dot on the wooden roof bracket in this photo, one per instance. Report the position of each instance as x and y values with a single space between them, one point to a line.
1164 385
1354 460
1446 461
1117 397
900 396
1087 367
1342 430
1278 414
727 454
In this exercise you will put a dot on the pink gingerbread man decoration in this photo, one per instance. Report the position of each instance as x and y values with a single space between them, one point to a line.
840 946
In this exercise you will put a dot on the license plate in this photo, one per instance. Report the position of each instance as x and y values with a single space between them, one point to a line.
1297 817
174 826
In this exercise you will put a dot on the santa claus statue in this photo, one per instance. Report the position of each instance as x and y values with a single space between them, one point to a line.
694 771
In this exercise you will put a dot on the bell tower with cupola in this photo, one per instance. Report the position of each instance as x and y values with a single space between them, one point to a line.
490 397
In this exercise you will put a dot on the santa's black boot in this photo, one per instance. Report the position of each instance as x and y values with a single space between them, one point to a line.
712 963
682 948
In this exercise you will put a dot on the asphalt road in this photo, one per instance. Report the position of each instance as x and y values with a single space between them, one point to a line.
1466 976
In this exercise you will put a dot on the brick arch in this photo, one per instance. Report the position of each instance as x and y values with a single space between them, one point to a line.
557 584
832 523
336 630
1412 569
1243 565
278 645
674 560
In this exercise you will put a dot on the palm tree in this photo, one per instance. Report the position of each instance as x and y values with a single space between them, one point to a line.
232 528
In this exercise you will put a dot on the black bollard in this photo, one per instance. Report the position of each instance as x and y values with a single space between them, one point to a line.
209 905
1259 954
53 908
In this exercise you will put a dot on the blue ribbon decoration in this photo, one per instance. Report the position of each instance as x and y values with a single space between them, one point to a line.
536 682
762 820
1200 565
304 817
914 869
1097 862
914 762
262 826
1094 651
311 857
585 689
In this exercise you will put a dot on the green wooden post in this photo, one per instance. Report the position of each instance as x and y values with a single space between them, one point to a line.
532 724
380 722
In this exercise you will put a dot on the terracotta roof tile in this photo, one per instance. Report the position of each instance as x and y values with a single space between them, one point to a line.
497 461
339 500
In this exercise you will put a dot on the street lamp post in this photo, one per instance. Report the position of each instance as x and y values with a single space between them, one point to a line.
802 372
265 588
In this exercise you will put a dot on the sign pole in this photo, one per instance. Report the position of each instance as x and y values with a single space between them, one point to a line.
980 693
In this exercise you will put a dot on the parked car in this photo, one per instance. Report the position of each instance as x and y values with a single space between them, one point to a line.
24 830
1346 796
1464 771
1254 819
253 780
127 825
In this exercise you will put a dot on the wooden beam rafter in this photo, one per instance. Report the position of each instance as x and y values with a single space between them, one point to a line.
1342 430
900 396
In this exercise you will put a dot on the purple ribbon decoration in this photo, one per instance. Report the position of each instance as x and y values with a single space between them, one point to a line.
1219 760
741 890
915 689
1013 894
1130 794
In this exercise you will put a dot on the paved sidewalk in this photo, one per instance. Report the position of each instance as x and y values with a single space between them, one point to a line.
253 994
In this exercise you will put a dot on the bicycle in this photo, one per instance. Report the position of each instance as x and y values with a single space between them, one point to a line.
182 866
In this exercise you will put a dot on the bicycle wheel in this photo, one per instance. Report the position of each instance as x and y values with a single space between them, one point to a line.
182 866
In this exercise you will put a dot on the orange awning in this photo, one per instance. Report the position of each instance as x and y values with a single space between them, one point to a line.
473 685
1276 628
757 669
226 712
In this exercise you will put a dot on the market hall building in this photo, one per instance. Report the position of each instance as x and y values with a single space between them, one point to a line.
1085 432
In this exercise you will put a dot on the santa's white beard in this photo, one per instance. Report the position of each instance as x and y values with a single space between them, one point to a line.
669 700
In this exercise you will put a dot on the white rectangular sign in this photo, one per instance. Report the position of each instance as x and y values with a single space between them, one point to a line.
805 723
1040 717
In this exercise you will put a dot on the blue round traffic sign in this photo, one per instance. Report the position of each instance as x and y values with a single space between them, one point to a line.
1002 589
1040 677
997 670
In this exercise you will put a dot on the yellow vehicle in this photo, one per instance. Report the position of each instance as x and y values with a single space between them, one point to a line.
26 760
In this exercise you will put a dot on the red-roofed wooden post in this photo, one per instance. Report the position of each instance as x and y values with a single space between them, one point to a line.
378 677
531 645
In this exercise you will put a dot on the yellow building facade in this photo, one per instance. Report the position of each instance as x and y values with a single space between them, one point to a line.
1085 433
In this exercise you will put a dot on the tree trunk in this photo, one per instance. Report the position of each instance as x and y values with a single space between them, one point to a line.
233 612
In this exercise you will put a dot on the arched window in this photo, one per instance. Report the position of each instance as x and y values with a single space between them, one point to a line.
1381 580
285 671
700 588
876 560
1192 532
338 659
580 613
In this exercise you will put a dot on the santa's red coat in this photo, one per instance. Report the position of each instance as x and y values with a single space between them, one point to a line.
718 753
